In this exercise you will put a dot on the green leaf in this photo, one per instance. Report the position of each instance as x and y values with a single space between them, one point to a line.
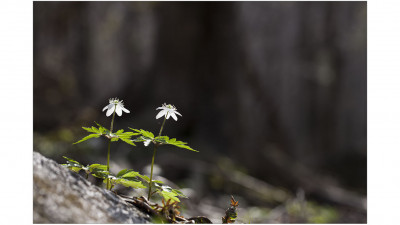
98 167
179 193
125 137
122 172
161 139
141 139
99 171
144 133
102 129
71 160
127 177
169 195
130 174
102 174
157 181
128 134
128 141
75 169
95 130
88 129
130 183
100 126
119 132
88 137
73 165
173 141
145 178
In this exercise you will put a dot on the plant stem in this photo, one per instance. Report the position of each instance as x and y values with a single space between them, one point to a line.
151 173
152 160
162 126
108 164
108 151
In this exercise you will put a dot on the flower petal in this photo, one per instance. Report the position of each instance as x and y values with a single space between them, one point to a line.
104 108
125 110
168 115
174 116
160 114
109 112
118 110
178 113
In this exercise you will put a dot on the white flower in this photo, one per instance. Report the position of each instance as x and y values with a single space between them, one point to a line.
168 110
116 105
146 143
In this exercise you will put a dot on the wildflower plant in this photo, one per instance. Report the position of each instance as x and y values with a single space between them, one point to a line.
147 137
115 106
129 177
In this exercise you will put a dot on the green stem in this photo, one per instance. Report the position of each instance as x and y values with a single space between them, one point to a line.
152 160
108 164
108 151
151 173
162 126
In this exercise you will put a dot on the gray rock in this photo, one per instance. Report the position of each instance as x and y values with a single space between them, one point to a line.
62 196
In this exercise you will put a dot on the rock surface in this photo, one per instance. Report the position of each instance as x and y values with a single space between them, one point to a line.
62 196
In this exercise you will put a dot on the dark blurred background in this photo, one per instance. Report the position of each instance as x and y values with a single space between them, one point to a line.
273 95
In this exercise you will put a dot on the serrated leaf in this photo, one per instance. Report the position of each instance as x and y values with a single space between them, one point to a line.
119 132
98 166
102 174
98 124
122 172
88 129
162 139
114 139
131 174
179 193
128 134
74 165
99 171
173 141
88 137
130 183
144 133
157 181
167 195
95 129
165 138
128 141
73 168
144 177
186 147
102 129
71 160
141 139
